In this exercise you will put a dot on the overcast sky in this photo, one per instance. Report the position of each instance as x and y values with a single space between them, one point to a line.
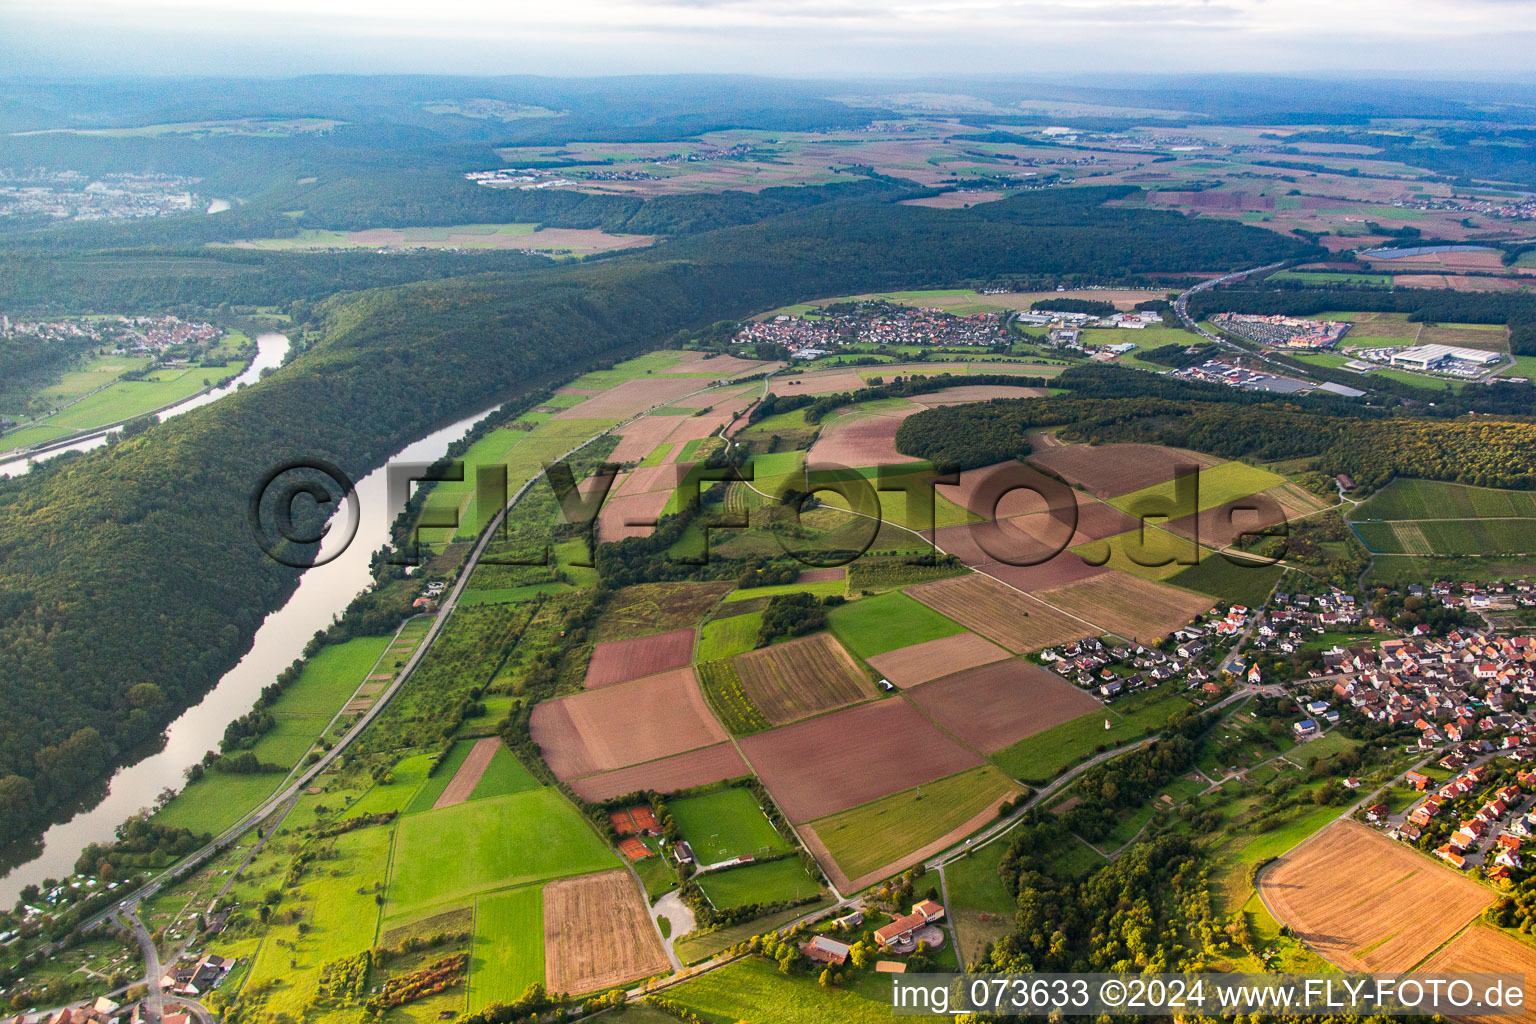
1460 39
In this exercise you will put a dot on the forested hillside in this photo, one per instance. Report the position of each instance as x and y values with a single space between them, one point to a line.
134 565
1370 445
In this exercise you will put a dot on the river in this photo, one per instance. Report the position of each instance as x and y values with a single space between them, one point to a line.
271 349
323 592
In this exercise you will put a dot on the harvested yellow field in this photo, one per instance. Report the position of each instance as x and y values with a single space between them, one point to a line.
1367 903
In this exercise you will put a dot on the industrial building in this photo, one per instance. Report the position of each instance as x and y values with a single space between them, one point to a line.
1427 357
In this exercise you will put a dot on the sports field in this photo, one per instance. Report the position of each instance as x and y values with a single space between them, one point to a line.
508 952
724 824
501 842
876 625
773 882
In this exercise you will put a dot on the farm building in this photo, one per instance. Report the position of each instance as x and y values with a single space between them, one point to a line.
827 951
1425 357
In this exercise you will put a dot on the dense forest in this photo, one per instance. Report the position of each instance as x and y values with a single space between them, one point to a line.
134 563
1372 446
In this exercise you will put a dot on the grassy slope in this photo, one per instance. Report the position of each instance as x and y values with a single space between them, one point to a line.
218 799
877 625
512 840
872 835
508 953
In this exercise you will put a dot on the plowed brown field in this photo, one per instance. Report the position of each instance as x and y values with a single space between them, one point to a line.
682 771
624 724
790 681
1127 605
983 605
997 705
850 757
1480 950
1108 470
618 660
909 666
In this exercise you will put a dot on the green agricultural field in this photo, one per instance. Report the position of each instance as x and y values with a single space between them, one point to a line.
726 823
1409 498
504 775
1218 485
1246 583
740 991
1407 569
880 624
1453 538
337 918
438 781
980 906
127 399
658 454
508 952
726 638
696 946
658 363
327 681
773 882
1152 554
1323 277
868 837
773 472
451 854
1046 754
821 588
523 452
1330 743
405 778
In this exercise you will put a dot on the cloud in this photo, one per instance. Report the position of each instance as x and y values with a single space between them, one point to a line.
1450 38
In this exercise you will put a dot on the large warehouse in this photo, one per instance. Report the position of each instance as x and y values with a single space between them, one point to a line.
1427 357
